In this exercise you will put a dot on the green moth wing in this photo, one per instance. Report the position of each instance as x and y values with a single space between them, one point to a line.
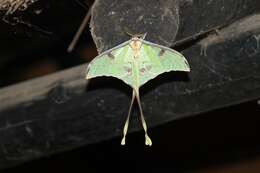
153 60
114 62
156 59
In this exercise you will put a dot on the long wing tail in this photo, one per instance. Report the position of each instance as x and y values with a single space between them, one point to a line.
127 119
148 140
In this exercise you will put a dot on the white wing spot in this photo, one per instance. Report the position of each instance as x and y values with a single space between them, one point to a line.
128 70
142 70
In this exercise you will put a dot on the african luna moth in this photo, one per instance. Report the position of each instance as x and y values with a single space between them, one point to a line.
135 62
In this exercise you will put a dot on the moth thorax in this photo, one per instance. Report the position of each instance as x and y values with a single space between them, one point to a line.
135 45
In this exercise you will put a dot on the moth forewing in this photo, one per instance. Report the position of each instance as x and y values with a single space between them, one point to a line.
113 63
174 56
101 67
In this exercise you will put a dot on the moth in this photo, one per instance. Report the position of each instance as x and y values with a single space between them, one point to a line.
135 62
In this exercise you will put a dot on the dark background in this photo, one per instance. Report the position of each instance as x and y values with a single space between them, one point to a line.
34 42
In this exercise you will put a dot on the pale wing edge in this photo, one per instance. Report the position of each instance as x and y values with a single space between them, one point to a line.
155 76
116 47
112 77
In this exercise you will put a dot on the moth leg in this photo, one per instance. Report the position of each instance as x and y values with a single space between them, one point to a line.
148 140
127 119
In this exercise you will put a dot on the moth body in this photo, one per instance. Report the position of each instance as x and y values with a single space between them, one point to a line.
136 45
135 62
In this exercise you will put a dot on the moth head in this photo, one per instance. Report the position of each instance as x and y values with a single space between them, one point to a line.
138 37
136 40
132 35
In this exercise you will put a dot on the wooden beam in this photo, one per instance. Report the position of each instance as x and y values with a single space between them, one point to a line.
62 111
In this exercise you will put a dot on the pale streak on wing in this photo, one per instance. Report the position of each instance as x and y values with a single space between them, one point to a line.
114 63
105 53
177 56
147 58
170 60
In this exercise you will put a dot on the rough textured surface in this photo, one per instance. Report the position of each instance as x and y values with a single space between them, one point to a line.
162 20
135 17
11 6
56 112
40 31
